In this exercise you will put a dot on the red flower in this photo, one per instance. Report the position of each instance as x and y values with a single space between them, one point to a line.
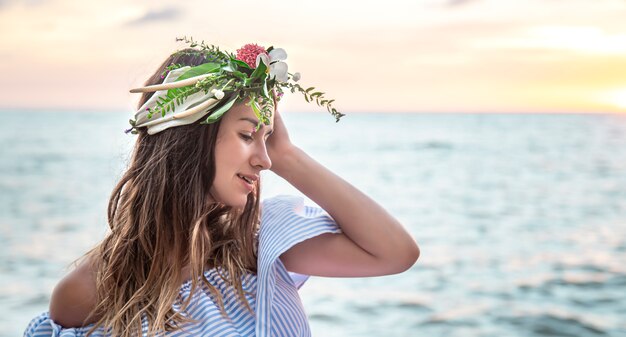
249 52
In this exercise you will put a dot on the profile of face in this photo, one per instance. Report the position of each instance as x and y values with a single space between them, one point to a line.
240 155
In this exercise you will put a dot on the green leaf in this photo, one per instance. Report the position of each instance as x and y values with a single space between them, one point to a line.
240 75
205 68
261 69
240 63
255 107
215 116
317 93
265 91
306 98
309 89
176 96
271 83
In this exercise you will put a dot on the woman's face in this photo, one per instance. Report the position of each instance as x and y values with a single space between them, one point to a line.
239 152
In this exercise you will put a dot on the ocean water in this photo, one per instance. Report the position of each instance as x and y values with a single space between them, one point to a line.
521 219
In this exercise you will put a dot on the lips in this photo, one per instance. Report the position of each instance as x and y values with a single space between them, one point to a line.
250 179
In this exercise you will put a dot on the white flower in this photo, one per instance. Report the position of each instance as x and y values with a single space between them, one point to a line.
277 68
219 94
295 77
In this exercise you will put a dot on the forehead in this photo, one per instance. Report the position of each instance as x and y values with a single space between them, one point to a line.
242 113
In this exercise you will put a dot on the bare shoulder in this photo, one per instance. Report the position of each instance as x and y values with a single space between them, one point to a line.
74 297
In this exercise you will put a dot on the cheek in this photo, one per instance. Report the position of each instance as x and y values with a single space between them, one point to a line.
228 153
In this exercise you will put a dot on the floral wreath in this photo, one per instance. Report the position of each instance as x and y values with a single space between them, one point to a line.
189 93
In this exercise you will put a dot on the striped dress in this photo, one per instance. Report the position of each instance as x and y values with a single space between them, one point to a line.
278 311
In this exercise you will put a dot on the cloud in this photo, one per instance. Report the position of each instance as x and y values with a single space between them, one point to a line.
454 3
165 14
447 4
7 3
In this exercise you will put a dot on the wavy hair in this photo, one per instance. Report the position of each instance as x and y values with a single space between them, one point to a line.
163 220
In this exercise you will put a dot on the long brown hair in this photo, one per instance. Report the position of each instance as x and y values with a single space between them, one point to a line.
163 219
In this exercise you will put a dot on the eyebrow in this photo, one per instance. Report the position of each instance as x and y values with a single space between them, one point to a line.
255 123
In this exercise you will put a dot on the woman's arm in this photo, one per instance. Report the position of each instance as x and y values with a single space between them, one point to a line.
372 243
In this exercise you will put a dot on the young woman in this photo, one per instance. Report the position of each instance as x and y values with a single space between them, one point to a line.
191 250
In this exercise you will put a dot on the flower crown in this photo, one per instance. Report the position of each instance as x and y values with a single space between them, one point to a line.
189 93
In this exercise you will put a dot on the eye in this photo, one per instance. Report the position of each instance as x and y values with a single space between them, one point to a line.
245 137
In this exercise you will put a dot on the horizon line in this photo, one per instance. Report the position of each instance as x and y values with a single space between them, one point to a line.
5 109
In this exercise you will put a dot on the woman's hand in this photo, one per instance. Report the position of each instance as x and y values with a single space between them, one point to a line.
279 146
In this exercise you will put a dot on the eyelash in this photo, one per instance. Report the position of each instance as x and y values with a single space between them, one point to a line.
249 138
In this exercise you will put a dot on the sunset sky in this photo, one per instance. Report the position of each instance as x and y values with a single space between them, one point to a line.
371 56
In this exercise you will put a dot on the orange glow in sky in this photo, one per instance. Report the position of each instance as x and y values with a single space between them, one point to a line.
371 56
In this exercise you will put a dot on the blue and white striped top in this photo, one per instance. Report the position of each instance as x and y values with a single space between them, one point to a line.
278 311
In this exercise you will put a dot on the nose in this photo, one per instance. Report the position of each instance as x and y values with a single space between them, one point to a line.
260 158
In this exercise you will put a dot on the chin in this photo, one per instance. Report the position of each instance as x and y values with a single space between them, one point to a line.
238 202
240 205
232 198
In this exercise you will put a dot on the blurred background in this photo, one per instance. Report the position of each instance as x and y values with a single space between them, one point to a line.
495 131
